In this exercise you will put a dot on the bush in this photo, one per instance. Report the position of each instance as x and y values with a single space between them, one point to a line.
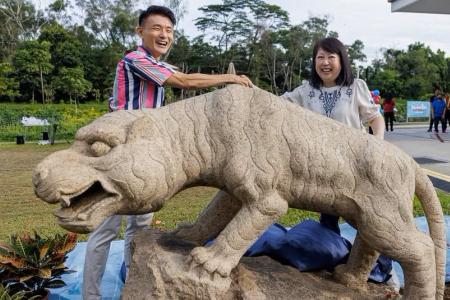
68 117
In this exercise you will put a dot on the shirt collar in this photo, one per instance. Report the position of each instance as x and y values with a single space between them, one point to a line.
143 49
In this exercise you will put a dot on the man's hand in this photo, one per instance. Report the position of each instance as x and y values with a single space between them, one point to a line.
243 80
198 80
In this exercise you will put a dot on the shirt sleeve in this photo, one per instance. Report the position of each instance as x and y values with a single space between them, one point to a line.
295 96
368 110
148 69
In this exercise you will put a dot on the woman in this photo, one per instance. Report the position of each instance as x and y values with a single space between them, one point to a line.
334 93
388 111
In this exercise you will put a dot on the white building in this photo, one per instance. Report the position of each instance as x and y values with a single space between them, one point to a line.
421 6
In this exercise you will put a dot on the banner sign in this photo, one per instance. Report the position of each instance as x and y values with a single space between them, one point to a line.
418 109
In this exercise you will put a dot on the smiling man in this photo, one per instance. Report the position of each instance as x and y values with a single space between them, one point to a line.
139 83
140 75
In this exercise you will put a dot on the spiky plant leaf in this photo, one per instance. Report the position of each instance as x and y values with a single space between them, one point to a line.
56 283
16 262
5 248
66 243
25 278
45 273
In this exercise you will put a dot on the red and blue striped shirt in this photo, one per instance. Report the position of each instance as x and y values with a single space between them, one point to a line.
139 81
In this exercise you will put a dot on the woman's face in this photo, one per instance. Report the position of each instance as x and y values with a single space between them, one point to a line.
328 67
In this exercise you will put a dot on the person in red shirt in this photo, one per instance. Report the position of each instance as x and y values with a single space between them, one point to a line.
388 111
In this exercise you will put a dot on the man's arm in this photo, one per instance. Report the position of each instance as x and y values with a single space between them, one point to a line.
198 80
377 125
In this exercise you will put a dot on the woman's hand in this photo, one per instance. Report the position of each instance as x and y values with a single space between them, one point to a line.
377 125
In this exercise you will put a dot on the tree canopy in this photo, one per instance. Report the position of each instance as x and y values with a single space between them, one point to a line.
69 50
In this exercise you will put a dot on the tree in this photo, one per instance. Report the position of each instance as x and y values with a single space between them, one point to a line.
228 24
111 21
31 63
355 53
72 82
410 73
59 11
239 24
8 84
388 81
264 17
298 42
64 45
98 59
178 7
20 21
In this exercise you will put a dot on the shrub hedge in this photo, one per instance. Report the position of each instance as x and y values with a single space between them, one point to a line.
68 117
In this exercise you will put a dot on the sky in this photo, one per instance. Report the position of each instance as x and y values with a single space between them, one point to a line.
370 21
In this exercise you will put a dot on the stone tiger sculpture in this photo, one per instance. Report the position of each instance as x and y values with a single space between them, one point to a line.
265 155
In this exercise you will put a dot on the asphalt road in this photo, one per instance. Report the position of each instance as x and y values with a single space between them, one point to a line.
426 148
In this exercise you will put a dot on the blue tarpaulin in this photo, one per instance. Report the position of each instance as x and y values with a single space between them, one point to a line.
112 283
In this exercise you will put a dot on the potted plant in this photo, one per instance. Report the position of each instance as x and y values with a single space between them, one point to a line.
5 294
32 263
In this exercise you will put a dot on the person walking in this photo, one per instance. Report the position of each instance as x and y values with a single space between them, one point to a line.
139 84
437 90
438 109
389 111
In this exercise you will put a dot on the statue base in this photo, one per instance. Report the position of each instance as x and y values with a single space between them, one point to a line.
160 270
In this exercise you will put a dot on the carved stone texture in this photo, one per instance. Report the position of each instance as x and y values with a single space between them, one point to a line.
265 154
160 270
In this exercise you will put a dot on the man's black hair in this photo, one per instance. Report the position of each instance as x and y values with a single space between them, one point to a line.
157 10
332 45
388 97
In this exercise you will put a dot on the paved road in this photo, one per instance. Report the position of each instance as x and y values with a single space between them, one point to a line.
432 154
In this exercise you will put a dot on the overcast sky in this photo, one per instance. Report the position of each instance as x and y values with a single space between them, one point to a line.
368 20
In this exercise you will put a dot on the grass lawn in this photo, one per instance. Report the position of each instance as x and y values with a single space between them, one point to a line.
21 210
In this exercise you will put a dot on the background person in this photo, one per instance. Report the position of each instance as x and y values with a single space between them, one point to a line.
389 111
376 99
140 76
438 111
437 90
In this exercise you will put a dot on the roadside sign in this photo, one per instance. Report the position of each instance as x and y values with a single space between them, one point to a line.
417 109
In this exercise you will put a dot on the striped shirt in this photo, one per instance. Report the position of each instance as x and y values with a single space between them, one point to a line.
139 81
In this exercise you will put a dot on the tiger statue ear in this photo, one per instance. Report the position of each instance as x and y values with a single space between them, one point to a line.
143 128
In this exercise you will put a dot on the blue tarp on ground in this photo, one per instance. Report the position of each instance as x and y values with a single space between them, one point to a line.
349 233
112 284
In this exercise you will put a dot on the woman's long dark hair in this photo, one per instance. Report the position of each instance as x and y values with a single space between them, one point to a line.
332 45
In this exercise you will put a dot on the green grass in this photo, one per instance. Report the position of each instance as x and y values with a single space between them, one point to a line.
20 210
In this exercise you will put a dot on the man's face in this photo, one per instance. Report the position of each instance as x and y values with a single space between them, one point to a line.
157 34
